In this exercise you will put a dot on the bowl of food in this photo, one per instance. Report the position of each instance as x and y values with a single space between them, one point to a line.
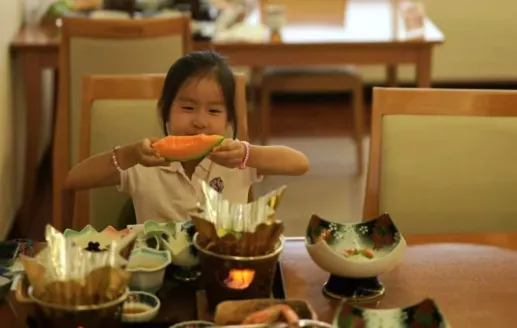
140 307
262 311
95 241
355 254
424 314
147 267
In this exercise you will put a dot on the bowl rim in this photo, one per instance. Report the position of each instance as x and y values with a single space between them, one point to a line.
277 251
308 244
193 322
121 299
133 315
71 233
139 250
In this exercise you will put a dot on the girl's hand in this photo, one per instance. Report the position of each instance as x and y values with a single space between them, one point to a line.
146 155
229 154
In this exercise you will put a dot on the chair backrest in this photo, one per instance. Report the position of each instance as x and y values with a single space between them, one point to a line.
106 46
134 97
444 160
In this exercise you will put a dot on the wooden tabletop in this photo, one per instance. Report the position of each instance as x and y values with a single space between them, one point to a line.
471 277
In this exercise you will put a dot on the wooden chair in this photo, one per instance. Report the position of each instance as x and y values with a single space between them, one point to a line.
304 80
106 46
443 161
134 97
312 79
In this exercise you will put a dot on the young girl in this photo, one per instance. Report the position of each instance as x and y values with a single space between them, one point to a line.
197 98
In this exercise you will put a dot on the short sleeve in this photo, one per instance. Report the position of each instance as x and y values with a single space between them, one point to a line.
127 180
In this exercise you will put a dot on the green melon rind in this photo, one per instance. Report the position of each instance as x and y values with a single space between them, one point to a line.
198 156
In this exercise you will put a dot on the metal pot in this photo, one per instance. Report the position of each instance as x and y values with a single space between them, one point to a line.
228 277
59 316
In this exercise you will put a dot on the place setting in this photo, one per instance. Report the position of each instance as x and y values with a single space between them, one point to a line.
226 258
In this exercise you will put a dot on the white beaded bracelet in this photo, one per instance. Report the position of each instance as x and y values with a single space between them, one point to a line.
114 158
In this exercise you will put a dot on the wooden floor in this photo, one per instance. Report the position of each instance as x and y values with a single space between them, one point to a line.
300 116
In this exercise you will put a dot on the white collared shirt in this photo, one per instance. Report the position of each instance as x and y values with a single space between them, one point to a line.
166 193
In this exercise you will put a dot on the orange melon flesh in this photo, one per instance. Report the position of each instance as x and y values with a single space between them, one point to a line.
186 148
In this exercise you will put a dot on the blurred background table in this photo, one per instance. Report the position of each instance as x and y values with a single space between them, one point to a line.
372 33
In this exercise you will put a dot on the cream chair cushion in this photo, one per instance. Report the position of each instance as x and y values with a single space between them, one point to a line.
444 174
89 56
117 122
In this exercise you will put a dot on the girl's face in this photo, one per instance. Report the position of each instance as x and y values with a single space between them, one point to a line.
198 108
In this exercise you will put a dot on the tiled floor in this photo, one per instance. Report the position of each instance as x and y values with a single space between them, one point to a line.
320 127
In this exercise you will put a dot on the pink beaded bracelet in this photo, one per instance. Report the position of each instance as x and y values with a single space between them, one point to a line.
114 158
244 162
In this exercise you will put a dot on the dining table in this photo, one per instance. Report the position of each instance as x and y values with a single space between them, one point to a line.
471 277
372 32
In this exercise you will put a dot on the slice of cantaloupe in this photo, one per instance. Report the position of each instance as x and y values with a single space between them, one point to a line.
186 148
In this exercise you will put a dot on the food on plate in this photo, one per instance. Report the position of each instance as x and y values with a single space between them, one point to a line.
185 148
272 314
363 252
94 246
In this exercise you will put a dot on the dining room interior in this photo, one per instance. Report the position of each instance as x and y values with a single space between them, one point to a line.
475 54
401 106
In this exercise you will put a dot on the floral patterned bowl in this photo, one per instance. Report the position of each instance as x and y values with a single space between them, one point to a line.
425 314
355 254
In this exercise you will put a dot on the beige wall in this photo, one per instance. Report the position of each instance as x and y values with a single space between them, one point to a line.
10 18
480 42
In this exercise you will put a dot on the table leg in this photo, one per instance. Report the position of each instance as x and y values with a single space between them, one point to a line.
32 74
391 76
423 68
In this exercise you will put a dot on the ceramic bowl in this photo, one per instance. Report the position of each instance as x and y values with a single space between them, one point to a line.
90 239
355 253
5 287
90 235
147 267
423 314
193 324
140 307
176 237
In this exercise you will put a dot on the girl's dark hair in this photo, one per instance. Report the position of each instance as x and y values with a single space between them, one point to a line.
200 64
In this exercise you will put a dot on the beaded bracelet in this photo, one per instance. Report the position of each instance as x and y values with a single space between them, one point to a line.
114 159
244 162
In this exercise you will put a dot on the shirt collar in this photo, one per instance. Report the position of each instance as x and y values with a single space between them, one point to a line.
205 164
